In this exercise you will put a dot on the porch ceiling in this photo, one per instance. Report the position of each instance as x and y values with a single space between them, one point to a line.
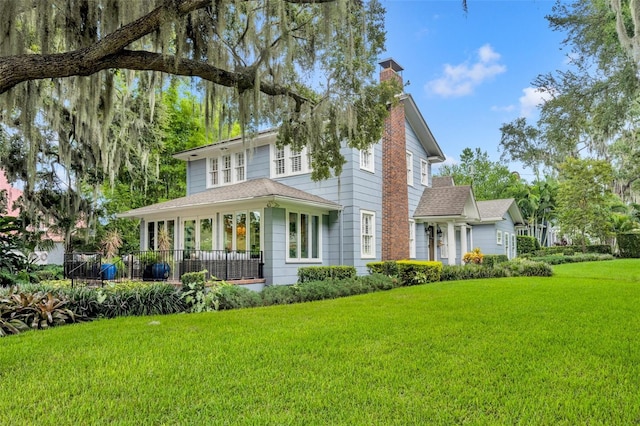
255 189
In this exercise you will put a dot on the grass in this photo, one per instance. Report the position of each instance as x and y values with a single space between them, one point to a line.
560 350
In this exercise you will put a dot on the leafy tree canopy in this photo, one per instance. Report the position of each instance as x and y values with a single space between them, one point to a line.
490 180
79 81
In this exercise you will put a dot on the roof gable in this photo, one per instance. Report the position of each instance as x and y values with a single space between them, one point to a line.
496 210
448 201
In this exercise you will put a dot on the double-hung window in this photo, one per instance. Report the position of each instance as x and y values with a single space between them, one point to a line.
288 162
499 237
214 179
366 159
227 169
425 171
239 166
367 234
412 239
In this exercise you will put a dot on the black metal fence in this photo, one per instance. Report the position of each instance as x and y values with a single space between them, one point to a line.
163 265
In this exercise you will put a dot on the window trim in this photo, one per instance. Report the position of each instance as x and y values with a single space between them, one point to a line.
409 168
372 234
310 243
220 169
412 239
288 155
425 172
370 154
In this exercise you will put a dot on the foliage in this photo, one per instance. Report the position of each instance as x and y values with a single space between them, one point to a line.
21 311
261 61
388 267
494 259
319 273
511 268
559 259
526 244
590 109
490 180
629 244
279 295
236 297
583 196
474 256
111 243
413 272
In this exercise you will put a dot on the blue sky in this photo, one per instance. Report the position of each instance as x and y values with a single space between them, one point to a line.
470 73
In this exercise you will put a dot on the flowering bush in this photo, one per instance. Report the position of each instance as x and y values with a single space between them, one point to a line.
474 256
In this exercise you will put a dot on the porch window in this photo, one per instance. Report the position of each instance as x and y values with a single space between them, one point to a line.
304 236
514 249
425 172
366 159
151 236
206 234
409 168
241 231
367 234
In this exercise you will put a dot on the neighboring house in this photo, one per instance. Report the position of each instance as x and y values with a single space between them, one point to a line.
501 221
40 257
250 203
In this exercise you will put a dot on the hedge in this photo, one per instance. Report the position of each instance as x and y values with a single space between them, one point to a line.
558 259
526 244
319 273
494 259
629 244
512 268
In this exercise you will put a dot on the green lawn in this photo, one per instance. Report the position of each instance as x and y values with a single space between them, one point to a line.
561 350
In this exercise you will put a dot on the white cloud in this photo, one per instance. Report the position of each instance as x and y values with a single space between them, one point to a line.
462 79
531 100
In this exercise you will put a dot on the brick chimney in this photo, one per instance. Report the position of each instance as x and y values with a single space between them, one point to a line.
395 197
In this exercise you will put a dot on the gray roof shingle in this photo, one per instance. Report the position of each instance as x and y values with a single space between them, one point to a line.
251 189
443 201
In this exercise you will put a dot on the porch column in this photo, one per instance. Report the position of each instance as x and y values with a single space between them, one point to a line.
451 241
463 239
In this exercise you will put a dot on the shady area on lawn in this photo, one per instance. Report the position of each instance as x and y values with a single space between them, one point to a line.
557 350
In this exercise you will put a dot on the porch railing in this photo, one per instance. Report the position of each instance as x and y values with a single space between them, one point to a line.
165 265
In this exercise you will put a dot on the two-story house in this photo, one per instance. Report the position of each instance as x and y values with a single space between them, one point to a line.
253 202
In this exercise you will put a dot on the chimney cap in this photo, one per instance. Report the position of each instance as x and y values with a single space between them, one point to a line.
390 63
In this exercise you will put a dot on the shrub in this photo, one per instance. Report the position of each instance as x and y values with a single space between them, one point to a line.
412 272
474 256
527 268
389 268
527 244
471 272
377 282
599 248
494 259
279 295
236 297
319 273
558 259
629 244
196 278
